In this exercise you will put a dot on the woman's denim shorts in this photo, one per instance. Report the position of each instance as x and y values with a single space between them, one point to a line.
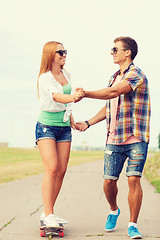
115 156
59 134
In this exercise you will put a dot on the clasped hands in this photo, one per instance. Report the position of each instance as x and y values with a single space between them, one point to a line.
78 95
80 126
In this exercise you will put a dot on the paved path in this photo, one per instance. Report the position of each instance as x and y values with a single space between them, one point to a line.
81 201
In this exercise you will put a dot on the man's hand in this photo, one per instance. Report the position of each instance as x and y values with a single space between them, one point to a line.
81 126
78 95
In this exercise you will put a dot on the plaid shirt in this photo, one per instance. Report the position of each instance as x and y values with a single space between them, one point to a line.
133 111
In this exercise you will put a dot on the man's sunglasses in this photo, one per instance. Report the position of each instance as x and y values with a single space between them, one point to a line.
114 50
62 52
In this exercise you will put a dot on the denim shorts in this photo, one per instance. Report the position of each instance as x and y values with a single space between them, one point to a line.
59 134
115 156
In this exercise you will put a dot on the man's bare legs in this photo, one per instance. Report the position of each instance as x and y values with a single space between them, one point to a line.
111 190
134 197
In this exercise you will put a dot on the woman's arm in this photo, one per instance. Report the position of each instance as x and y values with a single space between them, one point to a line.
62 98
73 124
68 98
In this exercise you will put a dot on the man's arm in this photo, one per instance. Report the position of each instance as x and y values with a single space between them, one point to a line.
109 92
100 116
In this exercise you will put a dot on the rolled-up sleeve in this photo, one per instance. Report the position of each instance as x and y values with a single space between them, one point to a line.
134 78
48 87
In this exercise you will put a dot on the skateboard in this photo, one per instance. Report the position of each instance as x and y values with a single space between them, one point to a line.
47 231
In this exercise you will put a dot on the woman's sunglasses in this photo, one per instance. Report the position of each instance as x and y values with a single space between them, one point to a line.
62 52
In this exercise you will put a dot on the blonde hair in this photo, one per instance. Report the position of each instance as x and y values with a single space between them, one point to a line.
47 59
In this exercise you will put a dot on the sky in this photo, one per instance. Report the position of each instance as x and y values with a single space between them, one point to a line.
87 29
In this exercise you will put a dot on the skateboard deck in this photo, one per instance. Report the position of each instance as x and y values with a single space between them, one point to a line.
47 231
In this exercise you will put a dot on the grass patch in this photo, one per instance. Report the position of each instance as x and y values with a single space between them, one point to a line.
17 163
152 170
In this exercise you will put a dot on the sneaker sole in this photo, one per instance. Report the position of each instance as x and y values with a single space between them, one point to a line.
109 230
44 225
135 237
60 222
49 226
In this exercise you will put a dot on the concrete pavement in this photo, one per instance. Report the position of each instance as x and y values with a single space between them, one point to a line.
81 201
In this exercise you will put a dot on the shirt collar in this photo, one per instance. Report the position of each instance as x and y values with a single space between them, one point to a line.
126 70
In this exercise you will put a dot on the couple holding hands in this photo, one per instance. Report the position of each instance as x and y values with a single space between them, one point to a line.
127 114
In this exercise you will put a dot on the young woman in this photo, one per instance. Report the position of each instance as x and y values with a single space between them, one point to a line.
53 129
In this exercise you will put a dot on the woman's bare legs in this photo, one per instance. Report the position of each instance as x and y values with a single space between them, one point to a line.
63 152
55 158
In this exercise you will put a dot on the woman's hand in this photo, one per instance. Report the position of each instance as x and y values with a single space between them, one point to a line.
73 124
76 126
78 95
81 126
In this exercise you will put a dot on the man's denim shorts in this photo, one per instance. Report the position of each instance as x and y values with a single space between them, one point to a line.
115 156
59 134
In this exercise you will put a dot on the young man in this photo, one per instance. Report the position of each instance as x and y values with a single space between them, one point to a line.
127 113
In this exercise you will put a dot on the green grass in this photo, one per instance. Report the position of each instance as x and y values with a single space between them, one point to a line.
152 170
18 163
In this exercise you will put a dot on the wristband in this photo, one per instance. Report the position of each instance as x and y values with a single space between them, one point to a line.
87 124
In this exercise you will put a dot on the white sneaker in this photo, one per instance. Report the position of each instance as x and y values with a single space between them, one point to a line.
50 221
42 216
59 220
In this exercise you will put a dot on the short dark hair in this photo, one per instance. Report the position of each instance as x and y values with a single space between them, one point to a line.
128 43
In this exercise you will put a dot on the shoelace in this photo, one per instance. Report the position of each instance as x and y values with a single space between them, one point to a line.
110 217
51 217
132 228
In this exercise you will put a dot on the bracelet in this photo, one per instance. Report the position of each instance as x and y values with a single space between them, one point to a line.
87 124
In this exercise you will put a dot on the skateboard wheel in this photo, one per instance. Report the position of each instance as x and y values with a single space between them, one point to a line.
61 234
42 233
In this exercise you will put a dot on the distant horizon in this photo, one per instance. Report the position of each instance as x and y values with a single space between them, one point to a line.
73 147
